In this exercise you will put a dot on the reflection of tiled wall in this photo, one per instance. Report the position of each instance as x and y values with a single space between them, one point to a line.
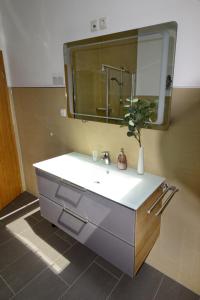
173 154
91 81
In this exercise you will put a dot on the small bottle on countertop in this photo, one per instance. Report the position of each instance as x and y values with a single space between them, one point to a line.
122 161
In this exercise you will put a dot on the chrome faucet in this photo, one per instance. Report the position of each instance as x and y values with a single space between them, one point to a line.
106 157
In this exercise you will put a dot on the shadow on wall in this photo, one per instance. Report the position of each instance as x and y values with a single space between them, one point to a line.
180 146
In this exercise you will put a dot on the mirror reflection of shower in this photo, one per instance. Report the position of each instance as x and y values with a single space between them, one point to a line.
120 84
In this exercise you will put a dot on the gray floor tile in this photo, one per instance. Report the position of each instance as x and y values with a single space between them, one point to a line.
171 289
18 225
47 286
74 262
44 229
5 234
11 251
49 247
31 221
23 270
6 210
23 199
37 216
94 284
5 292
105 264
65 236
15 214
57 243
21 267
142 287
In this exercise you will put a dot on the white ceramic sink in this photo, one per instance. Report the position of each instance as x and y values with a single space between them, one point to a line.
126 187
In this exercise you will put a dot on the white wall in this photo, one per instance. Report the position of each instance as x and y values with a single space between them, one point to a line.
36 30
3 46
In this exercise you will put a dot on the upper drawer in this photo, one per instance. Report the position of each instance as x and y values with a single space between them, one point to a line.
105 213
55 189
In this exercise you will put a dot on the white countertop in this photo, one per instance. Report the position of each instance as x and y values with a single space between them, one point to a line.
122 186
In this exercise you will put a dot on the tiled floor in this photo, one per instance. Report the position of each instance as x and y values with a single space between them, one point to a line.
38 261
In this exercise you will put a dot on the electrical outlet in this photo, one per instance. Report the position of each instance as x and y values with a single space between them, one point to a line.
102 23
93 25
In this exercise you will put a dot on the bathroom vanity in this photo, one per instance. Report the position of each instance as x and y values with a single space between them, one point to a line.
115 213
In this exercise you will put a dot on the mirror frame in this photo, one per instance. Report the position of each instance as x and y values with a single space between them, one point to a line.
164 107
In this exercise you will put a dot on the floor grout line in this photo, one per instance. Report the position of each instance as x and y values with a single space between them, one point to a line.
115 286
14 235
28 226
28 249
43 270
106 270
7 284
63 253
28 283
66 240
66 283
75 281
160 283
18 209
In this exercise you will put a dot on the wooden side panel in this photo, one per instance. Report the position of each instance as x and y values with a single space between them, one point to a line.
147 229
10 181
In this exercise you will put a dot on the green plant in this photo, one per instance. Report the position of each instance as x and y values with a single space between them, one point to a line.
140 113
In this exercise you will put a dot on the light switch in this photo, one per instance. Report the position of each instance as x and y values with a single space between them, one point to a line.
102 23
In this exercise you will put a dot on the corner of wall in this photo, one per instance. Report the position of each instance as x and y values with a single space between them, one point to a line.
15 128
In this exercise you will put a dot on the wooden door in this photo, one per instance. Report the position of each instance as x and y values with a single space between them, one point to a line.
10 180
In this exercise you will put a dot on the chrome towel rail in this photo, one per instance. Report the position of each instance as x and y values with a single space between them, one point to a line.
166 189
173 190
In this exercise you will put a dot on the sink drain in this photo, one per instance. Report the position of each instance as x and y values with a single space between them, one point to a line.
97 182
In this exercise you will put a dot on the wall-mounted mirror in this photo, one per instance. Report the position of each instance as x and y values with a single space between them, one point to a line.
102 72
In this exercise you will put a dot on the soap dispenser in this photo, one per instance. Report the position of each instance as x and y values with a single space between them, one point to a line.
122 161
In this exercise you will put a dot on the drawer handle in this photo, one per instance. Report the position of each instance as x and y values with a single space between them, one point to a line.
173 191
75 215
74 185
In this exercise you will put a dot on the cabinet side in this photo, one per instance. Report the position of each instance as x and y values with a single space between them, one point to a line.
147 228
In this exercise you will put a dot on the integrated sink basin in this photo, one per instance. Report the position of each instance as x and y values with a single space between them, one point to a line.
123 186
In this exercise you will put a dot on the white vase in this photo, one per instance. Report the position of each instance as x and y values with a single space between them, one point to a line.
140 166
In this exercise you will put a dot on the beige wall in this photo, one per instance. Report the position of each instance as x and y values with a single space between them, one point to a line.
174 154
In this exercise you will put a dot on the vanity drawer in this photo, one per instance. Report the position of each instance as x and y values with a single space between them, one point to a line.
104 244
57 190
73 224
114 250
110 216
113 217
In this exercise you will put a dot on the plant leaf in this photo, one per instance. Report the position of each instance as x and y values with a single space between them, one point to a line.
131 123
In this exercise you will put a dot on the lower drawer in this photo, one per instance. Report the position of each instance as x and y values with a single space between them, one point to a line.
104 244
